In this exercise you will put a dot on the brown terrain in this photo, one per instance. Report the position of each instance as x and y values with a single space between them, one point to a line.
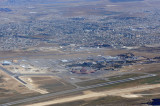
11 89
135 90
126 93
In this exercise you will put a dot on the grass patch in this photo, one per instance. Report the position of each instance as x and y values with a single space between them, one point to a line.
120 77
52 84
90 82
1 79
151 80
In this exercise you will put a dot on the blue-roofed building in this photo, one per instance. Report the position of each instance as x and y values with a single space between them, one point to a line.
6 62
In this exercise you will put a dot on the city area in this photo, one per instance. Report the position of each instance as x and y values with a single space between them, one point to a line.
96 27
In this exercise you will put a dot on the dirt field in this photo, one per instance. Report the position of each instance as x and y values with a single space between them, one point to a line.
47 84
126 93
19 54
12 89
141 68
24 70
9 83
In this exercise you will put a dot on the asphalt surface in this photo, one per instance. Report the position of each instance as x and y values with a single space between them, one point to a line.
74 90
6 71
17 75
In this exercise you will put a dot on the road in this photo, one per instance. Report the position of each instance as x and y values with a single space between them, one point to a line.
6 71
17 75
74 90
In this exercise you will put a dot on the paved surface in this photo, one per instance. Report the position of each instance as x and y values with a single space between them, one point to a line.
74 90
17 75
6 71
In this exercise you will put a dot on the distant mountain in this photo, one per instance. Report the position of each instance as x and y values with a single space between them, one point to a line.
25 2
2 0
115 1
5 10
18 2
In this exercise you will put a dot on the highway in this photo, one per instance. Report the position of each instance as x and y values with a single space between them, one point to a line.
74 90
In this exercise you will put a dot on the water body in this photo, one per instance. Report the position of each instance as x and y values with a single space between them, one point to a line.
155 102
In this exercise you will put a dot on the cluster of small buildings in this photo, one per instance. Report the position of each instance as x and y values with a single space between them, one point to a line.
5 63
12 43
106 63
83 70
114 32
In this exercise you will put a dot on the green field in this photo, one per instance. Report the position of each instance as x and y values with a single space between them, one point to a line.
90 82
125 76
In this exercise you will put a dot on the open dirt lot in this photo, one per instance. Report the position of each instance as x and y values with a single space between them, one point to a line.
51 54
25 70
12 89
